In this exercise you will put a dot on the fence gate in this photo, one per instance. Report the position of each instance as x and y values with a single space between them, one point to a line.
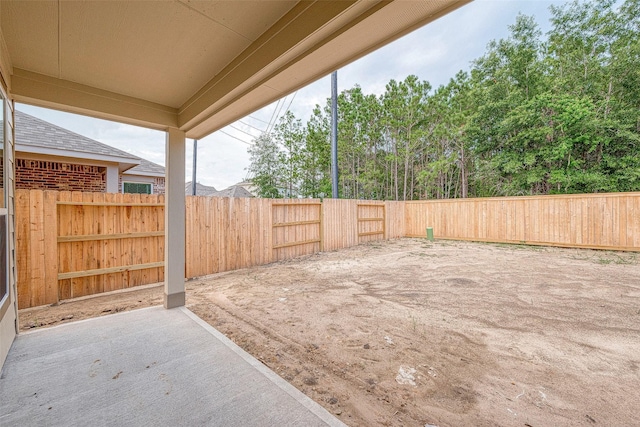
296 228
371 221
108 243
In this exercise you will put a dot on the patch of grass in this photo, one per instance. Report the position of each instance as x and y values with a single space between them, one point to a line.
581 257
619 258
608 257
414 322
517 246
433 255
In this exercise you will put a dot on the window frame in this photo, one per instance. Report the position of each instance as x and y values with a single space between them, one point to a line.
4 210
150 184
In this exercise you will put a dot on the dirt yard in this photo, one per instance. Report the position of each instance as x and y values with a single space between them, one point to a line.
412 333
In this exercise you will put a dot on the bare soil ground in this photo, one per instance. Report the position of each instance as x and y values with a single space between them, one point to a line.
410 333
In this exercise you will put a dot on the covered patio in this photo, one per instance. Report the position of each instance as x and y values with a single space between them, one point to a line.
187 68
145 367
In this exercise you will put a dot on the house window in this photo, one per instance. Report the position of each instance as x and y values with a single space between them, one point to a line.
137 187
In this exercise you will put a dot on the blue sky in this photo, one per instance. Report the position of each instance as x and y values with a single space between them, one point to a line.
434 53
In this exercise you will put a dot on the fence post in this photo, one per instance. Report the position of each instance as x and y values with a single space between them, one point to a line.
321 231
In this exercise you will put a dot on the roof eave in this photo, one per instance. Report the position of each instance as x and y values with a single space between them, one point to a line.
153 174
124 163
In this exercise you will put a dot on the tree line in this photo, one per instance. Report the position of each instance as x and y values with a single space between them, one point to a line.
534 115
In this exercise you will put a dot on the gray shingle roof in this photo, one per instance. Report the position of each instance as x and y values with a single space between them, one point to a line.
234 191
205 190
31 131
201 190
146 168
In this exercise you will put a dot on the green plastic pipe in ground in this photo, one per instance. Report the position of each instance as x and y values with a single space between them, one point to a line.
430 233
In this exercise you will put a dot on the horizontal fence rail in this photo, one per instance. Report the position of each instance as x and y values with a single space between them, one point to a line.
72 244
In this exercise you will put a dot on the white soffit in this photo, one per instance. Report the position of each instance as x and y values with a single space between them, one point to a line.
197 65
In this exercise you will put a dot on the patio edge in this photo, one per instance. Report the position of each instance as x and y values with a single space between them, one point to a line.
296 394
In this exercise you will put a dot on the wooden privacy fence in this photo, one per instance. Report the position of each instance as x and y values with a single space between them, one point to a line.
75 244
597 221
227 234
72 244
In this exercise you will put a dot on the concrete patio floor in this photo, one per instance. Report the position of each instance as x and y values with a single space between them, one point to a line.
146 367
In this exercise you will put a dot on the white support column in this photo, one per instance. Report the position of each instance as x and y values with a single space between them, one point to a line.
113 178
174 214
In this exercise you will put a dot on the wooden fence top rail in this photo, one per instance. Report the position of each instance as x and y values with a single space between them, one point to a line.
381 204
371 219
108 204
90 237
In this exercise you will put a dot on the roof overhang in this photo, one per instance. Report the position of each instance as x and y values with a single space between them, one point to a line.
192 65
135 173
79 157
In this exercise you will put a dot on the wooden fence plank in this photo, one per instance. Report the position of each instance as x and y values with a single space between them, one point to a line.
51 247
64 214
37 248
112 282
23 249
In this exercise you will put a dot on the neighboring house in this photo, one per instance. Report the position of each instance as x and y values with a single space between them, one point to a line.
234 191
249 186
201 190
49 157
146 178
205 190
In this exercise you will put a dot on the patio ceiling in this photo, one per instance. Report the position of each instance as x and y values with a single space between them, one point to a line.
192 65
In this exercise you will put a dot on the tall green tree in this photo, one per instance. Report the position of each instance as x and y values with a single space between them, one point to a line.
534 115
265 168
316 168
289 134
404 115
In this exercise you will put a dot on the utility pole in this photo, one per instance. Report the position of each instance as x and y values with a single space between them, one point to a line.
334 134
195 164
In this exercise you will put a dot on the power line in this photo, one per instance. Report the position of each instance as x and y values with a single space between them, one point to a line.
252 127
275 121
291 102
240 130
272 115
278 116
235 137
260 120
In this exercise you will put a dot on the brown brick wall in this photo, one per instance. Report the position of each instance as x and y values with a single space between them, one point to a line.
158 186
45 175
